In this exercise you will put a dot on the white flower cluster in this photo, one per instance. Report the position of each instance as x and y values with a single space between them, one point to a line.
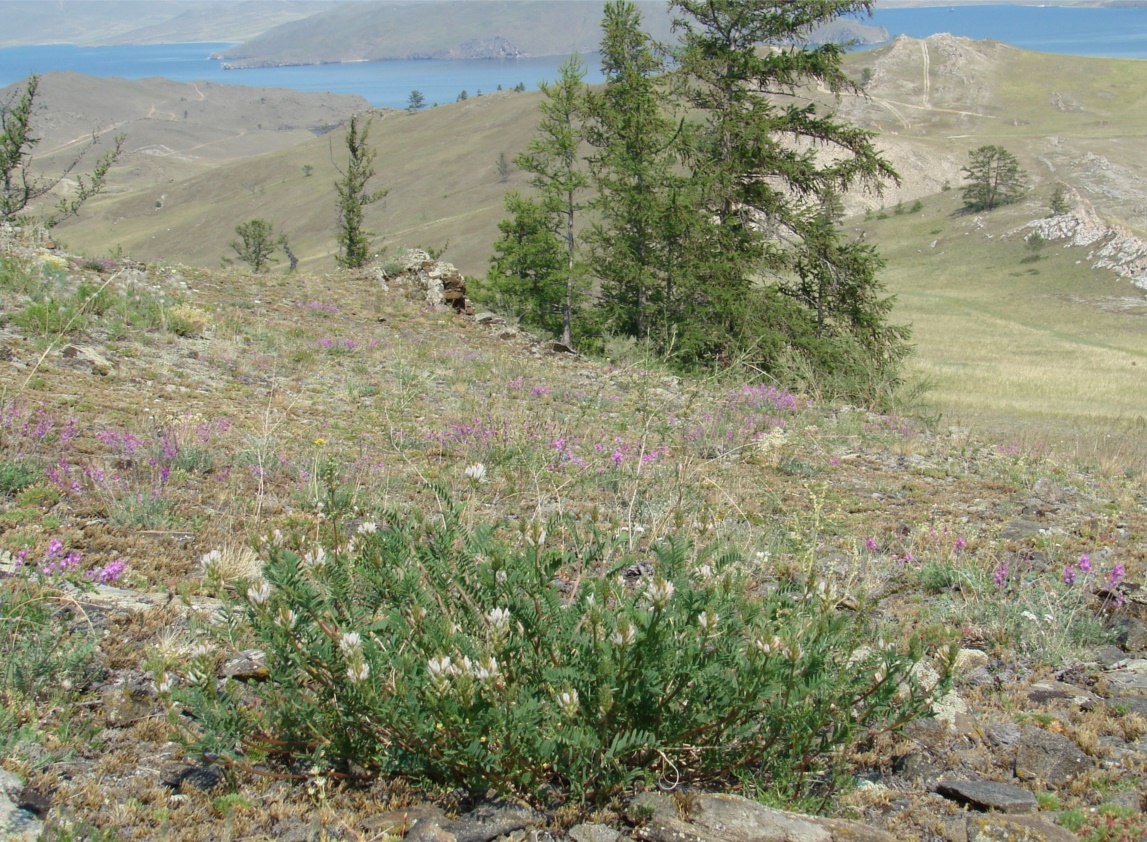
350 644
211 561
772 440
626 634
568 703
314 559
499 620
482 670
476 473
357 673
358 670
708 622
660 591
443 668
776 646
827 593
258 594
54 261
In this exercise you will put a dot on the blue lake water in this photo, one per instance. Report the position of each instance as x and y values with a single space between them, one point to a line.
383 83
1111 32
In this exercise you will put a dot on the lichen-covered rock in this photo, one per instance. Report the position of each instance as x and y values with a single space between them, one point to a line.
999 828
1051 758
440 283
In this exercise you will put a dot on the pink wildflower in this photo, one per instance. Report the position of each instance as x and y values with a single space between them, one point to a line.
1000 577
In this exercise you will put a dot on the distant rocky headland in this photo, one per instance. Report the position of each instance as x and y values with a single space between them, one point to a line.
493 47
473 29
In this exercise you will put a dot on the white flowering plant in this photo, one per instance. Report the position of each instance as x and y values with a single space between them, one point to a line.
468 657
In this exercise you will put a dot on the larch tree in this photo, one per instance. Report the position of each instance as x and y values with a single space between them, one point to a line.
994 178
20 186
714 224
354 195
529 263
633 171
545 225
256 244
769 163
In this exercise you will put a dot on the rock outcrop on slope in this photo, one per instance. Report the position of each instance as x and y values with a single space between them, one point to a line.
440 283
1109 245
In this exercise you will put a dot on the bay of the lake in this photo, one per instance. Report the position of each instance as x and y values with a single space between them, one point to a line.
1109 32
383 83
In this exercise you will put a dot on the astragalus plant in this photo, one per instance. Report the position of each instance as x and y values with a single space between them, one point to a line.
517 660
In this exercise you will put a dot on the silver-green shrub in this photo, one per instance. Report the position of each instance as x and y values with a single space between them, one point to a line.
465 656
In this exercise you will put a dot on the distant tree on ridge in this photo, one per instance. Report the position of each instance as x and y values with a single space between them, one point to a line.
994 179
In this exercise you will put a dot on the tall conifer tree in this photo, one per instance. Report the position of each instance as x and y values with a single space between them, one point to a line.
354 195
544 227
636 140
769 166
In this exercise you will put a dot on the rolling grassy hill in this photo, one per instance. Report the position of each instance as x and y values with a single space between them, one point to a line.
164 429
1077 331
375 31
174 129
1048 352
94 23
440 190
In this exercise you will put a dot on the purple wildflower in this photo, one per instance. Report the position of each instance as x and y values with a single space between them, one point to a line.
870 544
1115 575
1000 577
1069 575
1085 563
110 572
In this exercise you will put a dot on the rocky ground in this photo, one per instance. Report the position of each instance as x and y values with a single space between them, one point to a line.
241 385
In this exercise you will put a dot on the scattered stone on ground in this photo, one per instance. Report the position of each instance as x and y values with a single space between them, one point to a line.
1048 757
989 795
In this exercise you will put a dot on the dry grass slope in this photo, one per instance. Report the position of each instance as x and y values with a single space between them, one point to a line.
196 410
1053 347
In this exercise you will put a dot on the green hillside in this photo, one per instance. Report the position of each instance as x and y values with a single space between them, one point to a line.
326 554
1070 121
439 165
174 130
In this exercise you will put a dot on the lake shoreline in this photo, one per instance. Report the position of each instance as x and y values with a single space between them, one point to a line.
1106 32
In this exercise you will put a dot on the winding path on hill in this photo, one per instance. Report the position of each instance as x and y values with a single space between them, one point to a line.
927 74
84 138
